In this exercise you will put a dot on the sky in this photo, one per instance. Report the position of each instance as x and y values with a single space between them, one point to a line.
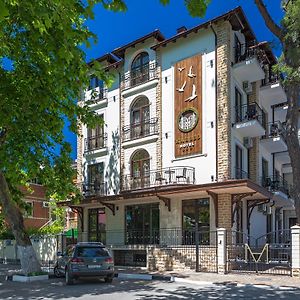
144 16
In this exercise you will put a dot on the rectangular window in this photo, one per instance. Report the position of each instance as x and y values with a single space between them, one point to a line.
196 212
239 172
29 212
142 224
265 173
96 136
238 106
96 178
97 225
95 82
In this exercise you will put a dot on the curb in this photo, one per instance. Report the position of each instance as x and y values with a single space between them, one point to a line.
147 277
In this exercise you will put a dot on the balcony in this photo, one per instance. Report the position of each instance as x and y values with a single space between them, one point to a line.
275 184
94 143
94 189
249 120
96 97
162 177
271 91
139 76
247 65
140 130
273 141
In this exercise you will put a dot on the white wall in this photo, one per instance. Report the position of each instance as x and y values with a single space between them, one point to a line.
201 43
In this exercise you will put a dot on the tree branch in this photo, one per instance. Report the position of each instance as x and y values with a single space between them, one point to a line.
270 23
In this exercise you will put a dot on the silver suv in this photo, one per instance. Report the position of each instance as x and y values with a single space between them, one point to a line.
85 260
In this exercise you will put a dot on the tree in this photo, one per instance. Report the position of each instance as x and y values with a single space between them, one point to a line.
42 73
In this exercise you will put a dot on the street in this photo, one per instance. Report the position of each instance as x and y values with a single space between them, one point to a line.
142 290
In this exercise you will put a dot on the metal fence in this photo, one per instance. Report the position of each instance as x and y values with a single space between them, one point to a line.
268 254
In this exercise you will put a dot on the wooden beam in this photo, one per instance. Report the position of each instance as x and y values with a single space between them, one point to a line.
215 199
166 200
79 210
110 206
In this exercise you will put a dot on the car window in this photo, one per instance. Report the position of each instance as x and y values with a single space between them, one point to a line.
91 252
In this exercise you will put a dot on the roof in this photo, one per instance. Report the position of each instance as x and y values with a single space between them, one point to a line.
236 17
154 34
111 59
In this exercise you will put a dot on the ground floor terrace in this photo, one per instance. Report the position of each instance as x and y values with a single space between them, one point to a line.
174 227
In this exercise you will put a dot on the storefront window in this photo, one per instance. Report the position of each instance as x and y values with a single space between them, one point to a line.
196 215
142 224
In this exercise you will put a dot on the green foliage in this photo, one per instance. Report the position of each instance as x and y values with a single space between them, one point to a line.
47 71
196 8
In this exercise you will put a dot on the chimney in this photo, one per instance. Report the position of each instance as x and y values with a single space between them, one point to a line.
181 29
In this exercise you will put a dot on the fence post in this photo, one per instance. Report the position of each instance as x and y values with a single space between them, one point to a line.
221 255
295 232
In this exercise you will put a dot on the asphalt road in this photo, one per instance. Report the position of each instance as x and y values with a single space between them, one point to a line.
142 290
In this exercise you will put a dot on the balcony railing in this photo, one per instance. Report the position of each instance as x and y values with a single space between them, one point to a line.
249 112
275 184
95 142
247 51
97 95
240 174
162 177
274 129
139 130
94 189
271 78
138 76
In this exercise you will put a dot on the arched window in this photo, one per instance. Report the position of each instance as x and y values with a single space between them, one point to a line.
140 168
140 116
140 69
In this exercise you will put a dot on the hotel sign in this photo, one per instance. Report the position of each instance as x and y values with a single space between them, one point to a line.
188 106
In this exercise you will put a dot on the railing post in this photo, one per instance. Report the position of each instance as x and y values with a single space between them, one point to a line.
295 233
221 256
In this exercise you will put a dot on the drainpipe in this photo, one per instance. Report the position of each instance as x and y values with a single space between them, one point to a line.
216 93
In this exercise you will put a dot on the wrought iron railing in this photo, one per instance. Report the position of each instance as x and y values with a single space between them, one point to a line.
96 95
139 130
271 78
274 129
275 184
161 177
247 51
249 112
240 174
95 142
94 189
138 76
164 236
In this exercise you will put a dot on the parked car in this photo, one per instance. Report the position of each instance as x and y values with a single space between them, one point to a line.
85 260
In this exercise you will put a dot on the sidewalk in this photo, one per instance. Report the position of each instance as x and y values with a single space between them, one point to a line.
228 279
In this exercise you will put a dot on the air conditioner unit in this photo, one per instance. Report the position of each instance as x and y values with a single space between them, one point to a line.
45 204
247 86
248 142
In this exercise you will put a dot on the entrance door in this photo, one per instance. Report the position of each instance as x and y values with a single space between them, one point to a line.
97 225
239 173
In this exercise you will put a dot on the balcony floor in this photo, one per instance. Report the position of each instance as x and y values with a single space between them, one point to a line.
274 144
250 128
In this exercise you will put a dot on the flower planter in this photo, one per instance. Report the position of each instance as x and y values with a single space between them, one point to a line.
23 278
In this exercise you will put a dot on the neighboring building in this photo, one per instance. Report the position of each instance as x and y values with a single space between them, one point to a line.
40 212
192 136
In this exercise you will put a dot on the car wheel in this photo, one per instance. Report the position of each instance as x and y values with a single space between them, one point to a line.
108 279
56 272
69 278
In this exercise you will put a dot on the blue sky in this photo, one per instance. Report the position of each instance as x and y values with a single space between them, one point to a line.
143 16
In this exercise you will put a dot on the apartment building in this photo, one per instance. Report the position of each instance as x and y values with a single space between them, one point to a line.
191 139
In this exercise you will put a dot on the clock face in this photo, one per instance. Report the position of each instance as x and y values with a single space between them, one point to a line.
187 120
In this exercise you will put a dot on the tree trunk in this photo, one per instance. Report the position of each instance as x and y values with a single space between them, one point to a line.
293 92
13 215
